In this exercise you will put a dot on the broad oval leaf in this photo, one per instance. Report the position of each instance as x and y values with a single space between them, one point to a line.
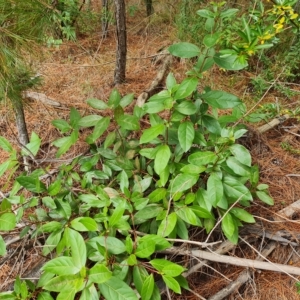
7 221
214 189
241 154
162 158
151 133
228 225
145 249
229 62
111 244
167 225
186 108
236 190
128 122
186 88
5 144
99 274
188 215
89 121
242 215
220 99
263 196
184 50
98 104
61 266
186 134
147 288
182 182
116 289
84 224
202 158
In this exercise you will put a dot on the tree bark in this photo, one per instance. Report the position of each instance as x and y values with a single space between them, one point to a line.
149 7
104 18
120 70
20 122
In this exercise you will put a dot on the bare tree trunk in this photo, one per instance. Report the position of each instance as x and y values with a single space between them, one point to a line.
104 18
120 70
20 122
149 7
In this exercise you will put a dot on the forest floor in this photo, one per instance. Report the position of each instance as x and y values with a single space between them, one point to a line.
77 71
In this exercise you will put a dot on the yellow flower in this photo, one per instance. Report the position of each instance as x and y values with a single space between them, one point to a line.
293 16
281 21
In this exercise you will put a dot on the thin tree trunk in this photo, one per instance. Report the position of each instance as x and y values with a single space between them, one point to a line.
149 7
120 70
104 19
20 122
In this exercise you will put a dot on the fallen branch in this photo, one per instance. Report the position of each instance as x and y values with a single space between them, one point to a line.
272 124
41 97
243 262
143 97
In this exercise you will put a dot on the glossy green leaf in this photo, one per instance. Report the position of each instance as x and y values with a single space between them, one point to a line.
263 196
116 289
186 134
167 225
228 13
7 221
237 167
112 244
116 215
186 108
188 215
201 212
241 154
78 247
214 189
157 195
145 249
236 190
242 215
151 133
186 88
100 128
170 81
184 50
84 224
205 13
50 227
33 146
126 100
147 288
228 225
99 273
61 266
211 124
44 296
5 144
153 107
128 122
149 212
139 276
182 182
114 99
2 247
89 121
32 184
201 158
172 284
210 40
63 283
142 185
162 158
89 293
192 169
229 62
220 99
98 104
